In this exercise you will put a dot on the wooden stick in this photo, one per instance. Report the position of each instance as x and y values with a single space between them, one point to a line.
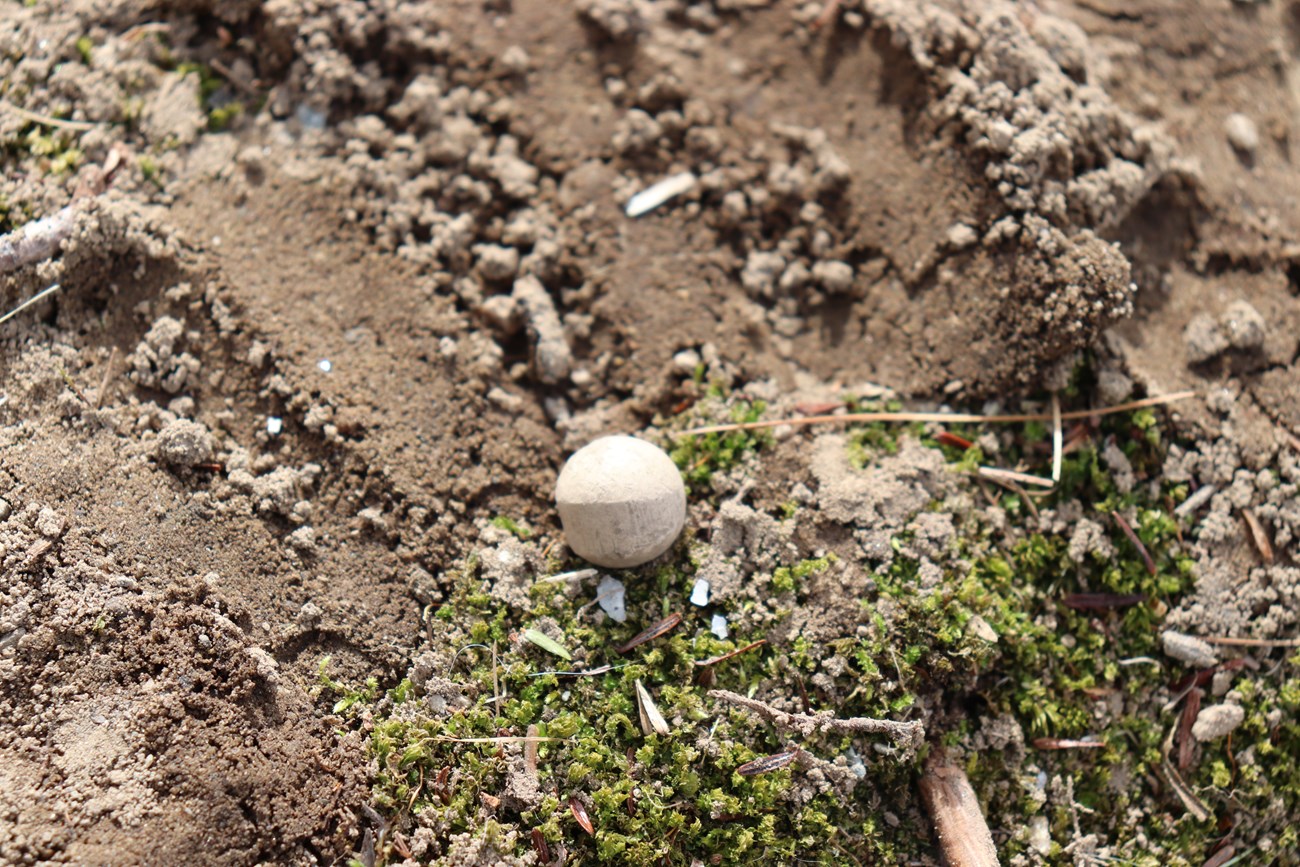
950 800
943 417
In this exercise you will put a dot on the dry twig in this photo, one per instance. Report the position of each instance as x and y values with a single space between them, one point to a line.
906 734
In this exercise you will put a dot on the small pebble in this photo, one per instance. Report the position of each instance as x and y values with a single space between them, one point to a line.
1216 721
1242 133
1203 338
1189 649
1244 325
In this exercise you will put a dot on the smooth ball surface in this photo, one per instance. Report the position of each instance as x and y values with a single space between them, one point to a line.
621 501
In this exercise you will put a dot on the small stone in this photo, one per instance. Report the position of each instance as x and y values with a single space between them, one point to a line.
5 509
1244 325
621 501
496 262
184 443
1204 338
961 235
1216 721
835 277
50 524
1189 649
1242 134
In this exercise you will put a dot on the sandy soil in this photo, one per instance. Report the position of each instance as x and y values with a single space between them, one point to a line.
949 200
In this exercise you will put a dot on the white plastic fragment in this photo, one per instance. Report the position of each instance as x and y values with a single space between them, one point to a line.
621 501
656 194
325 365
719 627
274 424
700 593
611 595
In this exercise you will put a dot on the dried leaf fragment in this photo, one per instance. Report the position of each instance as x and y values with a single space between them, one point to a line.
652 721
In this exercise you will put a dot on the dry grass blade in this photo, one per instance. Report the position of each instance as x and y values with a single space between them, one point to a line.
46 120
1014 487
667 624
1137 543
1260 535
652 721
1222 857
942 417
1254 642
964 836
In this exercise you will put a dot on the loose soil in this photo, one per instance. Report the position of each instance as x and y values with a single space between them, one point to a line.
290 376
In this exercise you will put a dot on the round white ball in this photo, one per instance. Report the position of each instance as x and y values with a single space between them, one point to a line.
621 501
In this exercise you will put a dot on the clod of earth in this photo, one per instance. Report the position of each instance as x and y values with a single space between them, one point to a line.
622 502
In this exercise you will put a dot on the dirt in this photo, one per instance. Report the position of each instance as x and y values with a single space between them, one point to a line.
297 365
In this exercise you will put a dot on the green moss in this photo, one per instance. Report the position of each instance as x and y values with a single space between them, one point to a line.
699 457
920 642
513 527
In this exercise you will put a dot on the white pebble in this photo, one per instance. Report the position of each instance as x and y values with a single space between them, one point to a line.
1242 133
274 424
621 501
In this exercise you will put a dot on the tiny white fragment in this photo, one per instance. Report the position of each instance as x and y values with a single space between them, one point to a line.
274 424
700 593
719 627
656 194
325 365
610 593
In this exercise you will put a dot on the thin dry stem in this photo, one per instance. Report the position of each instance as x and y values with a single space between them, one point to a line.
943 417
907 734
1058 439
44 293
1253 642
46 120
998 474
